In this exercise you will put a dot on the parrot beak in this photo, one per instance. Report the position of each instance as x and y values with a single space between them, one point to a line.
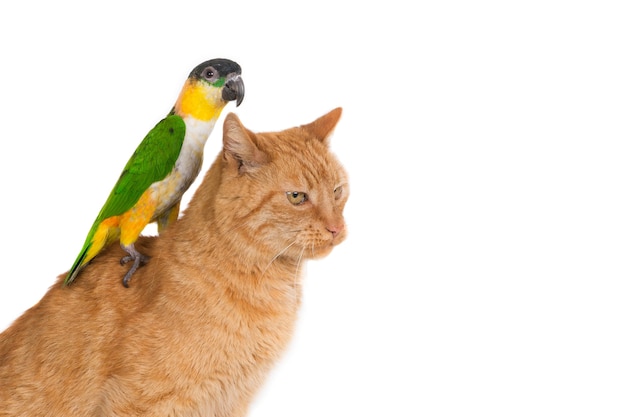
234 90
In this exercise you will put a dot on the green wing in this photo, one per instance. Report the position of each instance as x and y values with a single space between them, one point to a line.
152 161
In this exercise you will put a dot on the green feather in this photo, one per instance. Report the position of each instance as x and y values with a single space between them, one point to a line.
152 161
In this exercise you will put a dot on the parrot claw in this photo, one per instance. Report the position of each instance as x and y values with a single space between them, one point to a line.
138 260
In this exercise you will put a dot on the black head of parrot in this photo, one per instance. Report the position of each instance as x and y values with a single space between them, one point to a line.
222 72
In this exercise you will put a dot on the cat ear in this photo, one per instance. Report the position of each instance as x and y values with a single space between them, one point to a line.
323 127
239 145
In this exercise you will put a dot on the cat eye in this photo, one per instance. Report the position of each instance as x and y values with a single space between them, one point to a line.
296 197
338 192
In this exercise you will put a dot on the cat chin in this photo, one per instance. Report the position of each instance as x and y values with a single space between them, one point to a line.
319 253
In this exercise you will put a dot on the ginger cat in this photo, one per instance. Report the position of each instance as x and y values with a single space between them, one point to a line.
205 319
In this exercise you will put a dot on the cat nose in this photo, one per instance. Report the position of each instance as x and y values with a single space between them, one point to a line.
335 229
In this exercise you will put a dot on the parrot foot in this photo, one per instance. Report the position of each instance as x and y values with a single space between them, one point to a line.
138 260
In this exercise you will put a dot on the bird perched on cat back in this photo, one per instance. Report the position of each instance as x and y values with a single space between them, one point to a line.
163 166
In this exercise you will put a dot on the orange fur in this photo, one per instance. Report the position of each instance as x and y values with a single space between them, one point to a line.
205 319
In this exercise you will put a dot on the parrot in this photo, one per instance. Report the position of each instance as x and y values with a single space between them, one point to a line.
163 166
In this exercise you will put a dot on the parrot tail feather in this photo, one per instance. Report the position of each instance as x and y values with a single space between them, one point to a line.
102 233
79 264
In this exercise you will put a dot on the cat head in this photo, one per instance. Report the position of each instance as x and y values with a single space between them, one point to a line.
283 192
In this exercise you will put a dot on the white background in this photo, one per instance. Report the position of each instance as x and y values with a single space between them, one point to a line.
484 272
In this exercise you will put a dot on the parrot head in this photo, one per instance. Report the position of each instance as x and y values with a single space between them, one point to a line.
209 87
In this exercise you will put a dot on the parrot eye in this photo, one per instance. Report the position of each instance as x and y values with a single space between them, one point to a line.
210 74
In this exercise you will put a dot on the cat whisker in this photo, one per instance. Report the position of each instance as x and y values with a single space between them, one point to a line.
277 255
295 276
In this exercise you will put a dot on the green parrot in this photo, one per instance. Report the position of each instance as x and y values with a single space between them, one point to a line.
163 166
